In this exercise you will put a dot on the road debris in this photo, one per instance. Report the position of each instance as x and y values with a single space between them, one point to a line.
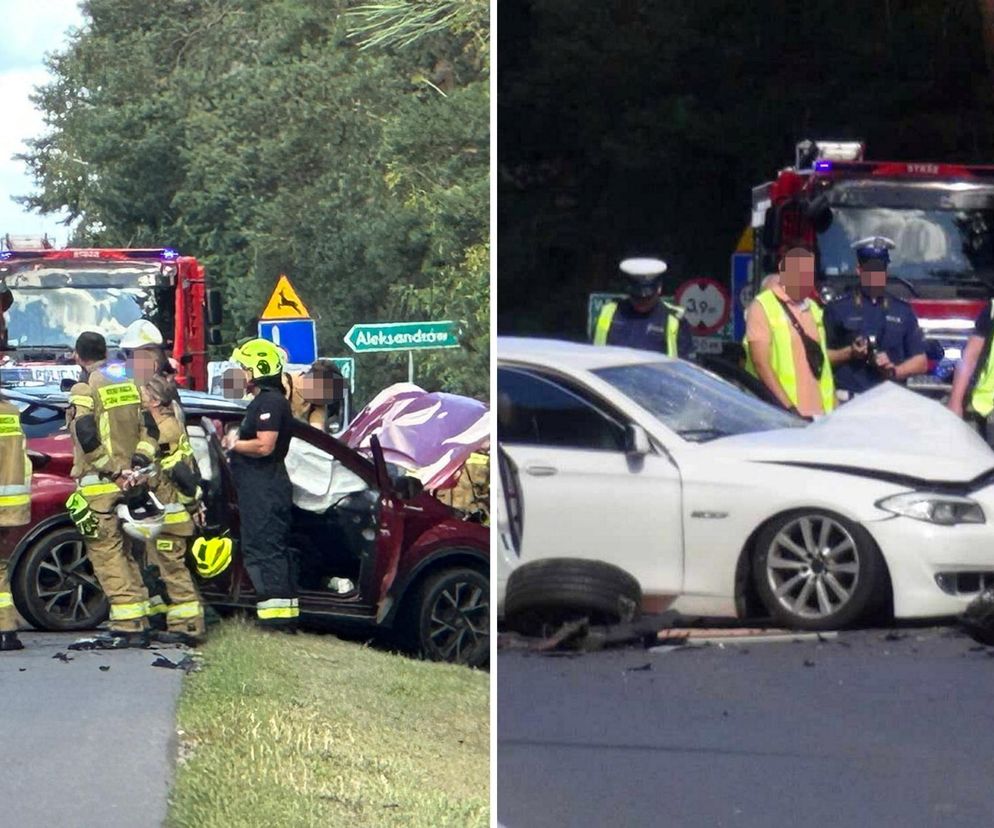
643 669
105 667
187 663
63 657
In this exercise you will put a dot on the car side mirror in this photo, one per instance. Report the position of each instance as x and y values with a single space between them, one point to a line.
214 308
934 350
66 384
407 488
637 441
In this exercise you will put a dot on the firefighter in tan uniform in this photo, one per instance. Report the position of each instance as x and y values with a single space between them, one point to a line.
15 509
109 440
177 487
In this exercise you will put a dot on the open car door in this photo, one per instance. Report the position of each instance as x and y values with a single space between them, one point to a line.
390 536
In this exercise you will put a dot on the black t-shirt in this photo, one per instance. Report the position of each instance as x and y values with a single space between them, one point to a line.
269 411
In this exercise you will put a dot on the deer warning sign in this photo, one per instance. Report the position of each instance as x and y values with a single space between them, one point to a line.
285 303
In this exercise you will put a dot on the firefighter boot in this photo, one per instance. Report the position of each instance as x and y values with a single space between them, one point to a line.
8 617
118 574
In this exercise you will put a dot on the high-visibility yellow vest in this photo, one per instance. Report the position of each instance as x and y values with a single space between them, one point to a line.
15 469
606 319
782 353
982 398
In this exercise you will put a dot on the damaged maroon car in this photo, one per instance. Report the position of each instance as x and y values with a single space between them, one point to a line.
375 551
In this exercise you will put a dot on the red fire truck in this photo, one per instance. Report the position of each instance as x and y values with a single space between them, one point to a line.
941 217
49 296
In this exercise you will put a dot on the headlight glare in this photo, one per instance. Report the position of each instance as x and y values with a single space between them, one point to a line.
933 507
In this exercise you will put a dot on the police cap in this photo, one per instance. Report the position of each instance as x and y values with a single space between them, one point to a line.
873 248
643 276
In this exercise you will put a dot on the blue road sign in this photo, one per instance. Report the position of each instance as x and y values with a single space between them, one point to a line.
741 292
298 337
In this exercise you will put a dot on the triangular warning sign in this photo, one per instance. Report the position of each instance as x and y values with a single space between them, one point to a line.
285 303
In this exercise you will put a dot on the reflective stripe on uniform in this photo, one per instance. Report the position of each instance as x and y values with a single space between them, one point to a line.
10 425
604 321
189 609
17 488
129 612
97 489
277 608
14 500
81 401
6 600
172 518
156 606
145 448
118 394
982 397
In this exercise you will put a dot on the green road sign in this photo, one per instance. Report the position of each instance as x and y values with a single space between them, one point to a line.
402 336
347 366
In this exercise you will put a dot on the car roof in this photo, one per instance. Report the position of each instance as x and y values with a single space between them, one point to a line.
194 401
571 356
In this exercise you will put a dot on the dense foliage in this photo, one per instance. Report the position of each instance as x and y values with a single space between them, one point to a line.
288 136
632 126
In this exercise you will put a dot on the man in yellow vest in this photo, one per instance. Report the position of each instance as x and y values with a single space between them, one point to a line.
644 320
15 509
109 440
972 394
785 339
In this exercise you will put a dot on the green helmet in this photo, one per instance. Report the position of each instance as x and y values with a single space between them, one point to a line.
260 357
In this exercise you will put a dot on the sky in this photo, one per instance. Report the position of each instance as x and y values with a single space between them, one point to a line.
32 28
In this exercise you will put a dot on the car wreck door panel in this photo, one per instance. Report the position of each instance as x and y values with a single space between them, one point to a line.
390 535
581 494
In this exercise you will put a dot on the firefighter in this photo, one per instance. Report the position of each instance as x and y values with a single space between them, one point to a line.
872 337
785 339
177 487
142 345
257 452
15 509
644 320
972 393
109 440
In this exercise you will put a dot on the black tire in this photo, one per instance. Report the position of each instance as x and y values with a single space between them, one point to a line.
54 586
861 573
452 617
556 590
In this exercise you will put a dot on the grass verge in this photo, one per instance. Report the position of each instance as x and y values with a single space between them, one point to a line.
310 730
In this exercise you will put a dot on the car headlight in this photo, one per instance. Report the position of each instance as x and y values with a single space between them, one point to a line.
932 507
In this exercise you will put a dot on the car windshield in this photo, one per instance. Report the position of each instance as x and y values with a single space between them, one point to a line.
54 317
695 404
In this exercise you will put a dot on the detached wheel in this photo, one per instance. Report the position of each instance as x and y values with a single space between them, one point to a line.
55 588
815 570
550 592
452 617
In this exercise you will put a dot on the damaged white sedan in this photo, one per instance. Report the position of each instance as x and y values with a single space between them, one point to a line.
718 504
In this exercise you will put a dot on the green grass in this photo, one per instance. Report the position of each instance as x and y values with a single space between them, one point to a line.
312 731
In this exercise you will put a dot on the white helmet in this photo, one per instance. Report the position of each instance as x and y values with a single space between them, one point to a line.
141 334
142 522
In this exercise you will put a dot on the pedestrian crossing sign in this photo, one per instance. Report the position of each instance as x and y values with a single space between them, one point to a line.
285 303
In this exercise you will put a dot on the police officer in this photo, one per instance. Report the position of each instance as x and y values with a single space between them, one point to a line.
15 509
872 337
109 440
644 320
257 452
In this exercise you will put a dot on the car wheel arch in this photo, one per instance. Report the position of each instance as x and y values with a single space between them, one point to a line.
446 558
747 601
34 534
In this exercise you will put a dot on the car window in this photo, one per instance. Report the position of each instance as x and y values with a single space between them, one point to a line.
535 410
694 403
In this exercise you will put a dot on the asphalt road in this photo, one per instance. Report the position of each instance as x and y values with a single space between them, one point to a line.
855 731
81 746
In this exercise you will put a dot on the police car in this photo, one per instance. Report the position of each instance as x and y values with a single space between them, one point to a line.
719 504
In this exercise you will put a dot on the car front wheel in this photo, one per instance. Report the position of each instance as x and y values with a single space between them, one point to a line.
55 588
453 617
816 570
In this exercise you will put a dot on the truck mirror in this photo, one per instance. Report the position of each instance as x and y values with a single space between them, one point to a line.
186 359
771 229
214 336
819 213
214 307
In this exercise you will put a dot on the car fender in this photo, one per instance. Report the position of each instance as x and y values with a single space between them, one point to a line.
35 533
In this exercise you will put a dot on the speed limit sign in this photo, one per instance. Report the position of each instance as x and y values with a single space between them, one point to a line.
705 304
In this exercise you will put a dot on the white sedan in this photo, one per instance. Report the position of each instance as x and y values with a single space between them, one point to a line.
720 505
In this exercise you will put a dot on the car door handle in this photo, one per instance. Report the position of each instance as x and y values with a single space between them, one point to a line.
541 471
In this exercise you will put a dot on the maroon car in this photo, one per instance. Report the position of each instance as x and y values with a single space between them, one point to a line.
374 550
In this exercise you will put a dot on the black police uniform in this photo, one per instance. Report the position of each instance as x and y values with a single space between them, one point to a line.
892 322
264 505
647 331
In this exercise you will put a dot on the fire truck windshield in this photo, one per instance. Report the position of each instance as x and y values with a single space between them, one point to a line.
54 317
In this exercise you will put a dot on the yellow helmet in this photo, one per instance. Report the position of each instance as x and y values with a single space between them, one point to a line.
211 555
260 357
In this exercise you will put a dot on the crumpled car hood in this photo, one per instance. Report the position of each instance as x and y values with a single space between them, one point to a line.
430 435
888 429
